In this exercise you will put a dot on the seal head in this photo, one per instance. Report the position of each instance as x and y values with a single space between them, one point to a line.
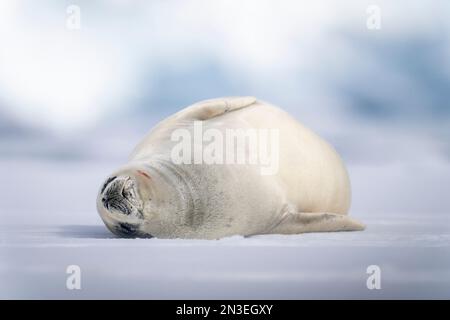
121 207
119 194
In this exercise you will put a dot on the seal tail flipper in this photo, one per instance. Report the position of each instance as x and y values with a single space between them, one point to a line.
303 222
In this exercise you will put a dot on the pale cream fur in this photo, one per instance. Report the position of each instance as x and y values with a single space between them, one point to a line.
309 193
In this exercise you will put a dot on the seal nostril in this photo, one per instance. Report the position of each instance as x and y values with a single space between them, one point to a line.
111 179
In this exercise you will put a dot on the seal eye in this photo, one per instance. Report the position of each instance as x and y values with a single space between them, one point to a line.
129 230
126 230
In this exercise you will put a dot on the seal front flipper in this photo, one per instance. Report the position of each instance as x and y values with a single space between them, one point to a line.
199 111
208 109
302 222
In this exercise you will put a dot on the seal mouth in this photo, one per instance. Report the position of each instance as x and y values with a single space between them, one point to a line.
119 194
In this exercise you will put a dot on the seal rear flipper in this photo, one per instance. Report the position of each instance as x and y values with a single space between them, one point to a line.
208 109
303 222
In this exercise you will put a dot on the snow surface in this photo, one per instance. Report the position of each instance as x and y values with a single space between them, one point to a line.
49 221
413 254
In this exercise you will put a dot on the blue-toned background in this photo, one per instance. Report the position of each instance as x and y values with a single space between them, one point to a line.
72 98
74 103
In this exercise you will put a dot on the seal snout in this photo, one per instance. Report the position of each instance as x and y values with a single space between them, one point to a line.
119 195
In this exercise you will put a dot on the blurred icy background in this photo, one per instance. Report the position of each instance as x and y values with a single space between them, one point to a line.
73 103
